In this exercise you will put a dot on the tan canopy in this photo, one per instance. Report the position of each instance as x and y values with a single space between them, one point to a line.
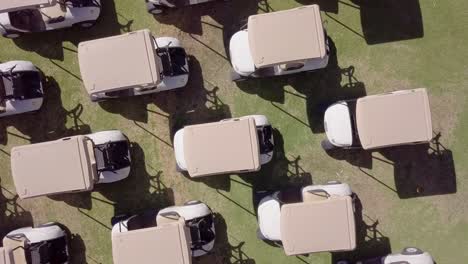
396 118
221 147
318 225
12 251
13 5
3 255
168 243
119 62
286 36
63 165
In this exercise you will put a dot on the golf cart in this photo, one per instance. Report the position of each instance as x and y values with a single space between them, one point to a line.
234 145
72 164
157 7
322 219
132 64
20 88
172 235
280 43
409 255
18 17
46 243
377 121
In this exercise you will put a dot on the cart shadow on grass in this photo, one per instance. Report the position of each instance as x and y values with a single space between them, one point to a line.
49 123
76 246
141 191
423 170
196 103
382 21
13 215
283 173
370 242
228 17
228 14
318 89
224 252
419 170
50 44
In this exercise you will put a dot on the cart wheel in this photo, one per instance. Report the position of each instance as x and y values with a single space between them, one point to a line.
12 35
236 77
86 24
154 9
260 235
333 182
327 145
193 202
47 224
411 251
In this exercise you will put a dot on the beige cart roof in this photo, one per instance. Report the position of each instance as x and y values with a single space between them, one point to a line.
119 62
318 226
286 36
14 251
59 166
12 5
3 255
221 147
168 243
396 118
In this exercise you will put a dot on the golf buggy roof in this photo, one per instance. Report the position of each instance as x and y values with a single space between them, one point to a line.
400 117
14 5
13 251
318 226
119 62
286 36
168 243
221 147
3 256
63 165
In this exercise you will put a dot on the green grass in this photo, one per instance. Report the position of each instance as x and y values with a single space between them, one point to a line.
436 59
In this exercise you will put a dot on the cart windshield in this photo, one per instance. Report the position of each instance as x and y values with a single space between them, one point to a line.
2 89
27 20
51 251
112 156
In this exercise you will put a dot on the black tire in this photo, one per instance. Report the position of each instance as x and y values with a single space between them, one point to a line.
260 235
155 9
327 145
411 251
86 24
119 218
193 202
333 182
48 224
12 35
342 262
236 77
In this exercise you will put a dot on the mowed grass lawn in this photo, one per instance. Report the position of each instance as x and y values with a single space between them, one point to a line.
410 196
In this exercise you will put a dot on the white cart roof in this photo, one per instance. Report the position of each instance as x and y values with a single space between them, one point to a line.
221 147
396 118
119 62
13 5
286 36
58 166
318 225
168 243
